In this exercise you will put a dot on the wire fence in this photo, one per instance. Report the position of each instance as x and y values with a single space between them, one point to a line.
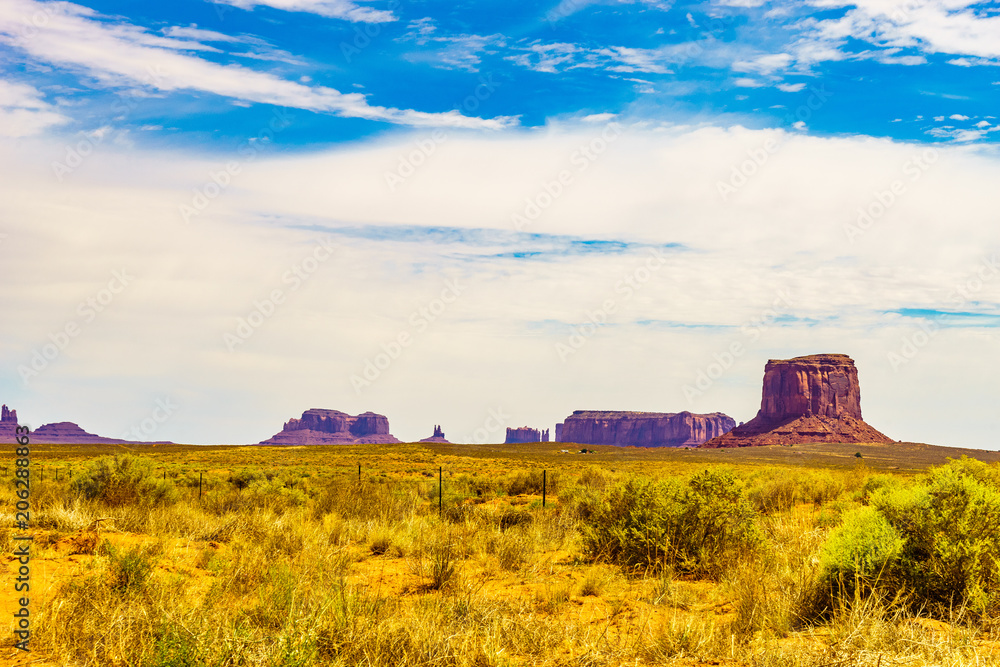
65 473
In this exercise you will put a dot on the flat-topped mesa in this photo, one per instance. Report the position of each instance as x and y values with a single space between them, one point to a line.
523 434
823 385
642 429
816 398
332 427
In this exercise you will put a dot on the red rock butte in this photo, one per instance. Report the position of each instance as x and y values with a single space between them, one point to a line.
525 434
642 429
815 398
333 427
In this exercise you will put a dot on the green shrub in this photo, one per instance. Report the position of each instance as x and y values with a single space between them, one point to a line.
245 478
693 526
531 483
873 483
938 540
129 570
123 480
862 549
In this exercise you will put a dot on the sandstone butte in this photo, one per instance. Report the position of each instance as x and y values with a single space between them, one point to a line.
642 429
525 434
58 433
815 398
332 427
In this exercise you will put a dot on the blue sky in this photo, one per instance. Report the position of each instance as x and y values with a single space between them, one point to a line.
619 191
922 74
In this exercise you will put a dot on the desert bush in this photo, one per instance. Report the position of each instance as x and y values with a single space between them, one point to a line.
873 483
123 480
778 490
525 483
690 526
937 539
129 570
511 518
245 478
367 501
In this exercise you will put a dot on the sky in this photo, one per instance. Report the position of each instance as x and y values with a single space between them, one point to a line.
216 214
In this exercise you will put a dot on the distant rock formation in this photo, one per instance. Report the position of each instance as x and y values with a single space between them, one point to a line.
8 425
525 434
438 435
642 429
58 433
332 427
816 398
545 435
68 433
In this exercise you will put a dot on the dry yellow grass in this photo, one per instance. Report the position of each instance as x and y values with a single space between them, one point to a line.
313 567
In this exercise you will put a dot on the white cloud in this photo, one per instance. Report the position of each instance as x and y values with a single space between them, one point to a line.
567 8
450 51
744 82
983 123
125 54
791 87
635 60
932 26
23 112
784 229
764 65
335 9
546 57
958 116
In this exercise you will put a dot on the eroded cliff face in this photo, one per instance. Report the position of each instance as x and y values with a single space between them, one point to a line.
8 425
332 427
821 385
642 429
816 398
522 434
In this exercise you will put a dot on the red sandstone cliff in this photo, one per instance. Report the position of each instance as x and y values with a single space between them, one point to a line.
816 398
643 429
332 427
525 434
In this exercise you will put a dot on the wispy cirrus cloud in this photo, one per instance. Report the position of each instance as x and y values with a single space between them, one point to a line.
334 9
23 111
449 51
117 53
